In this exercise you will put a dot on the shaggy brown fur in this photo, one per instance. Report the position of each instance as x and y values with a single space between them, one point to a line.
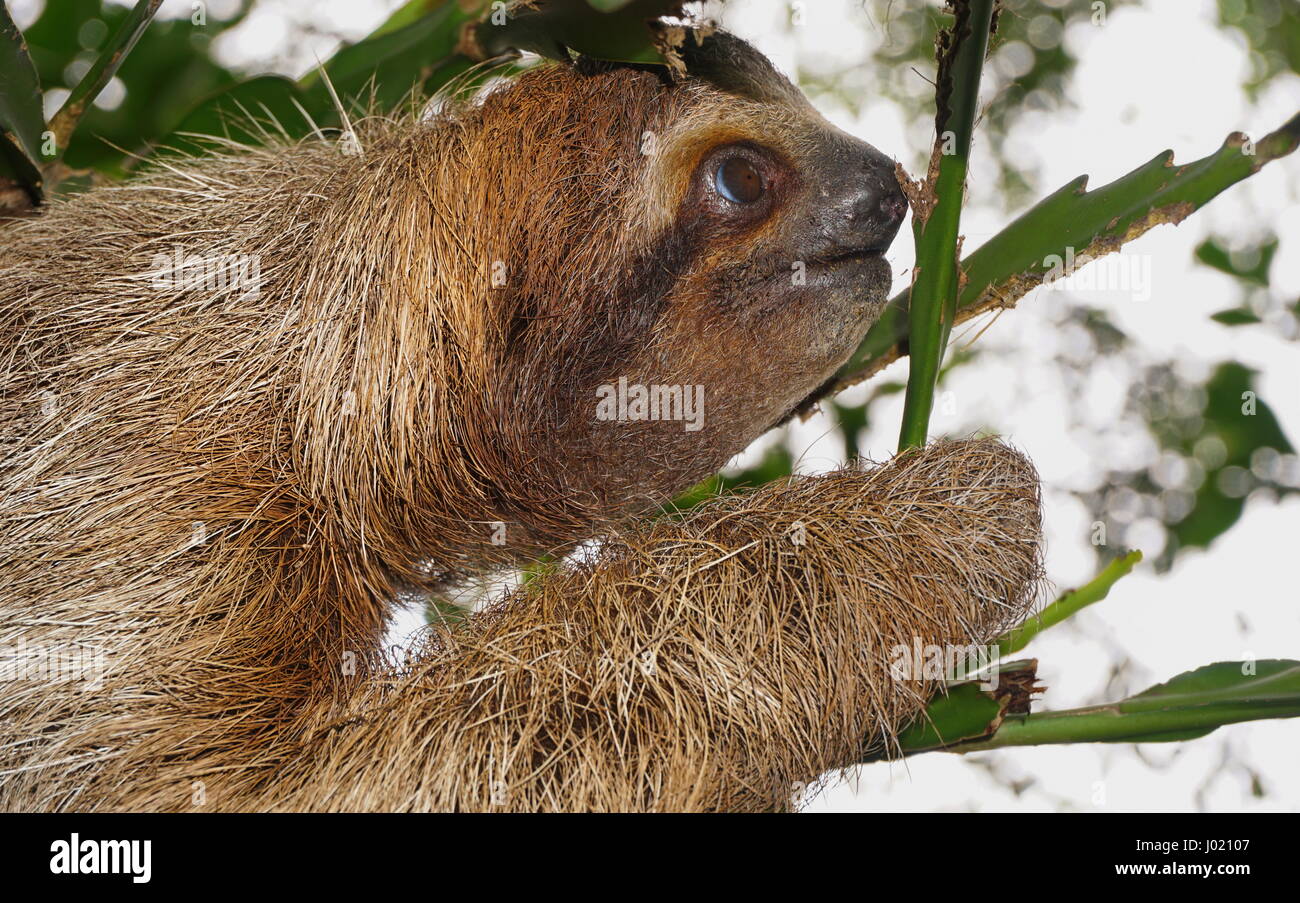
715 664
219 492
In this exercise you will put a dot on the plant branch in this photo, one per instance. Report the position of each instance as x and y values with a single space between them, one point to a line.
100 73
1069 604
936 209
1185 708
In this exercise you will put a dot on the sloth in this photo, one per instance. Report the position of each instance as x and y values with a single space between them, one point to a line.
254 398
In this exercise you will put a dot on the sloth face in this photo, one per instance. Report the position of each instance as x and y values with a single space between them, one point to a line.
773 225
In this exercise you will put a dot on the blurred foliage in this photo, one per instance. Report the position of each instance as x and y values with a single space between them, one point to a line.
1214 442
167 71
1272 32
1249 264
171 84
1217 443
403 59
1029 66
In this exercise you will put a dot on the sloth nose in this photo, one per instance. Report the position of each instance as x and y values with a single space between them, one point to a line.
857 204
873 209
862 205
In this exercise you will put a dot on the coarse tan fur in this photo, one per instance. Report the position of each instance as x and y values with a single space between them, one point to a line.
215 492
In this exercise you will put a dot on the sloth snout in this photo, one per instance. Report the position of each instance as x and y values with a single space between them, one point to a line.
865 205
873 212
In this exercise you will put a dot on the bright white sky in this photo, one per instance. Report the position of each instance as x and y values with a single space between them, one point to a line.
1164 76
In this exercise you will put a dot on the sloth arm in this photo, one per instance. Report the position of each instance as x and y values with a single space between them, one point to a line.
713 662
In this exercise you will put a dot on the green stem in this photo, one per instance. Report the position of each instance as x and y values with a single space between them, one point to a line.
1095 590
101 72
1107 724
934 291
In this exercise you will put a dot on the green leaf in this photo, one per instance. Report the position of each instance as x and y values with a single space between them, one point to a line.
1237 417
610 31
1250 266
1236 316
22 119
1275 681
1070 603
966 712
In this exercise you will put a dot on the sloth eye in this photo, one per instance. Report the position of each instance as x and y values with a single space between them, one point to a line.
739 181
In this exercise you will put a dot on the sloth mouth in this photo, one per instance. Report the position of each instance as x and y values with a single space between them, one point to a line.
848 255
849 266
827 264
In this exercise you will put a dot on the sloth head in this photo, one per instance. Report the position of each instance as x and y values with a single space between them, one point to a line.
773 224
632 277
